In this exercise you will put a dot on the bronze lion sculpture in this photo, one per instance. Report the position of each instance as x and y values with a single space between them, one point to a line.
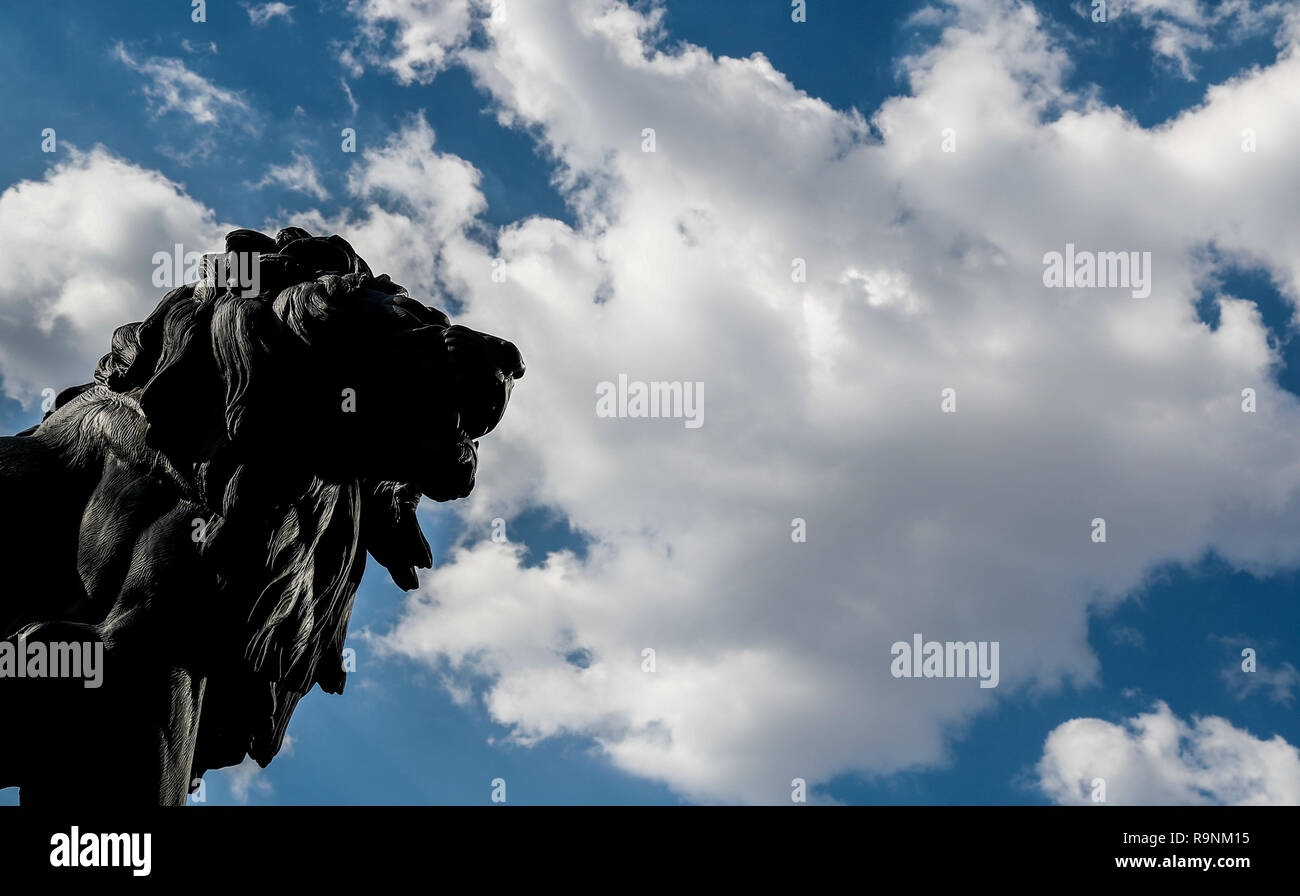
199 515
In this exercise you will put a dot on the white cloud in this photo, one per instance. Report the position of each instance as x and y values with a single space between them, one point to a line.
299 175
1155 758
173 87
426 32
439 190
262 14
409 202
823 397
78 263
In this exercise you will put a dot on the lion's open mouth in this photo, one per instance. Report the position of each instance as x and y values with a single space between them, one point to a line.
483 414
452 467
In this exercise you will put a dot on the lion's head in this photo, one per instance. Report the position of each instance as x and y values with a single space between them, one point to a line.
306 419
358 377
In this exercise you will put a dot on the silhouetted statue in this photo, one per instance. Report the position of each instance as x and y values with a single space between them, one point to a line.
199 515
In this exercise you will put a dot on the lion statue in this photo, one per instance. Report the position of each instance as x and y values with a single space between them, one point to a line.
198 517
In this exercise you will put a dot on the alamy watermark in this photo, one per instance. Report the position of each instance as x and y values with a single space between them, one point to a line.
89 850
58 659
240 271
657 398
946 659
1098 270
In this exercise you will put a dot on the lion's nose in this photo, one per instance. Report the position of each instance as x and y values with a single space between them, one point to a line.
510 361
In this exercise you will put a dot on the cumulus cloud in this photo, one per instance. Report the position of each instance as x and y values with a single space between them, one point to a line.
79 262
1156 758
439 190
424 34
924 272
409 201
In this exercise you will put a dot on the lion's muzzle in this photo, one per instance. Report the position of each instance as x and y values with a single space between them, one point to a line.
485 369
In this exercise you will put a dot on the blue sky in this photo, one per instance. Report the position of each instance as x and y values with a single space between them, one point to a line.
396 735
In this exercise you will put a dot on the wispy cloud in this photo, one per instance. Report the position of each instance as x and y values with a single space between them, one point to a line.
1127 636
190 46
172 87
248 777
263 13
299 175
352 101
1279 681
1180 27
